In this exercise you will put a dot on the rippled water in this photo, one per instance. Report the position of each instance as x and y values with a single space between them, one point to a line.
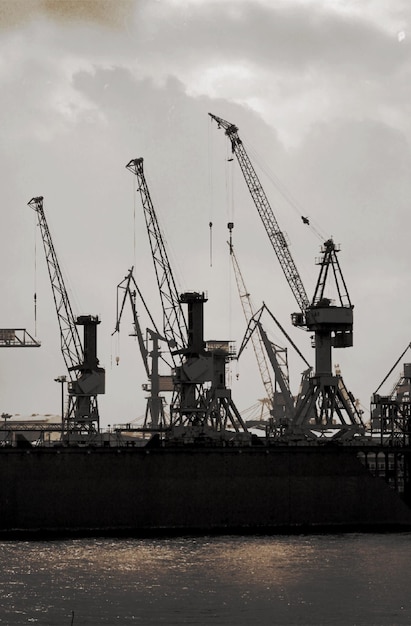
303 580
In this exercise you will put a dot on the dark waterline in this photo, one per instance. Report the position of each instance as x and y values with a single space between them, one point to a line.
343 580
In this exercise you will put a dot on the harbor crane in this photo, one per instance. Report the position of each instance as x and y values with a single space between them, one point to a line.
391 413
154 417
87 378
325 403
201 398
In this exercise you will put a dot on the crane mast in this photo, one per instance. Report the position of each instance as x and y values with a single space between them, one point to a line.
87 379
326 402
275 235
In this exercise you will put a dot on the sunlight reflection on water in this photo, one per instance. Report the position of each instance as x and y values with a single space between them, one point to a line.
299 580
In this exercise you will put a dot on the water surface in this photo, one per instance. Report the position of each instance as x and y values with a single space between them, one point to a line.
339 580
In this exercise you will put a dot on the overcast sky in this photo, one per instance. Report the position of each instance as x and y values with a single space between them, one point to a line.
321 93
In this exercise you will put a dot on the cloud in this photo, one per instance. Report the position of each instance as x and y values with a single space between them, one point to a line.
114 15
308 62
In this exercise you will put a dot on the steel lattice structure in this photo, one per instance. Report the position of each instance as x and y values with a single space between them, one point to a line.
71 347
266 213
256 339
174 322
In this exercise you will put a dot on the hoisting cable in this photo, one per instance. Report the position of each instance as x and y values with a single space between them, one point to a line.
230 227
300 354
393 367
35 277
285 193
229 172
211 243
116 350
134 222
210 189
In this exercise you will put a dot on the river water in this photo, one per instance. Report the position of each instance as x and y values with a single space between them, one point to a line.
342 580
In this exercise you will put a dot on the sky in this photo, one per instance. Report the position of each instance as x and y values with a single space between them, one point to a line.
320 91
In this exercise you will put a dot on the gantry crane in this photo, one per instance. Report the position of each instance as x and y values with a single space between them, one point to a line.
87 378
201 398
154 417
326 402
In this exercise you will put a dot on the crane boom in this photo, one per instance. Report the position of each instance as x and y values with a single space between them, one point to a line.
275 235
256 339
71 347
174 322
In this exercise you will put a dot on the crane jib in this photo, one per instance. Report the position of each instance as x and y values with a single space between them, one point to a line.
266 213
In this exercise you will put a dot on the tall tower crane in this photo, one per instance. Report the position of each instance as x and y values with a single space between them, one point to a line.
201 398
87 379
326 399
